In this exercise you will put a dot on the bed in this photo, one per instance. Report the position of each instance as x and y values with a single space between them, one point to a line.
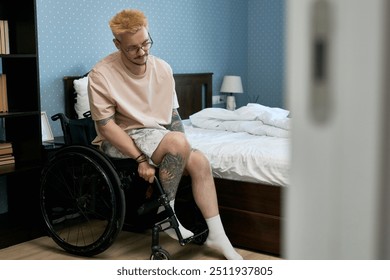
250 208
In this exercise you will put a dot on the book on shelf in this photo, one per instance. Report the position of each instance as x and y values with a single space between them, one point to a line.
7 160
5 144
4 37
3 93
11 161
5 148
6 156
6 153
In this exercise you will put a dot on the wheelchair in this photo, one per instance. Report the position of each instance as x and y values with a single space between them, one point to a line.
87 198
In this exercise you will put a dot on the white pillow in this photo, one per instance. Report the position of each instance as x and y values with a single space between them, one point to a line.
82 103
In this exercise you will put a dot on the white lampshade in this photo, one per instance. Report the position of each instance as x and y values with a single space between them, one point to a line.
232 84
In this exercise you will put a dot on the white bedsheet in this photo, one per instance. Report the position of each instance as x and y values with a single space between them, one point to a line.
242 156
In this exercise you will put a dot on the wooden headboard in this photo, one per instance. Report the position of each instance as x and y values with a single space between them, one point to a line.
194 92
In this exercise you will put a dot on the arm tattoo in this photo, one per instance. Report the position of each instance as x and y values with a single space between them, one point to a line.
176 124
170 172
104 121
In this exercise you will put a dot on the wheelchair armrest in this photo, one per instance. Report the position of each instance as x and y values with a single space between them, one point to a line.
61 117
64 125
76 131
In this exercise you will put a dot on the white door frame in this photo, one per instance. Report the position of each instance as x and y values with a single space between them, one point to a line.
334 207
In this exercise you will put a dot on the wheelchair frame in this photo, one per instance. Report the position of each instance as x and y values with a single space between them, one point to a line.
83 199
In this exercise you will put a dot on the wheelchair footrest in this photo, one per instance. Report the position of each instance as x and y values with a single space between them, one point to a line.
198 238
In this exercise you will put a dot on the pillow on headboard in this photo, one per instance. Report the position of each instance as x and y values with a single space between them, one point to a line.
82 103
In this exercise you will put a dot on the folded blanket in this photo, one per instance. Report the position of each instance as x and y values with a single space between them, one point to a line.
254 119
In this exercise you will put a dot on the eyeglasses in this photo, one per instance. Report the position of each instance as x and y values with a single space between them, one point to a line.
145 46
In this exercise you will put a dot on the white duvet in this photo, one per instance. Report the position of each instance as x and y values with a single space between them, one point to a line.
254 119
238 149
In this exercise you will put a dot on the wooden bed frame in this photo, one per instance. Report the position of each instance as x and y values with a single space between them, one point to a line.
251 212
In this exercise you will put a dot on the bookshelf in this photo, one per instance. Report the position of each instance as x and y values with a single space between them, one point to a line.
21 123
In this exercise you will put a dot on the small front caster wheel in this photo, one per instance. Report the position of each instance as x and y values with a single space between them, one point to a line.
160 254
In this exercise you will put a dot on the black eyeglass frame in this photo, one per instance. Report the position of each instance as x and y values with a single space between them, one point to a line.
135 49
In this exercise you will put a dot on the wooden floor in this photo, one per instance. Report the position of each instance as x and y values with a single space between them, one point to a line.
128 246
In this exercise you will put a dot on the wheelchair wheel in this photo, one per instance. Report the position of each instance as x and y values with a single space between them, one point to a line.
81 200
160 254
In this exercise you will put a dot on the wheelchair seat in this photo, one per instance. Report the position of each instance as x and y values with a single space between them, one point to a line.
87 198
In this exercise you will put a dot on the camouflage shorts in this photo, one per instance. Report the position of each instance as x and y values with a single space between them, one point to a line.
146 139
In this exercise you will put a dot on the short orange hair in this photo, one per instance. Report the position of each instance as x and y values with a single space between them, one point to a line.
128 21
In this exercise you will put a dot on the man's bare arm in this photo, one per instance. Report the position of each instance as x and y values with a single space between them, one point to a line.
125 144
176 123
117 137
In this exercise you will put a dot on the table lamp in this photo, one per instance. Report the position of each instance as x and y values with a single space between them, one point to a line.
231 84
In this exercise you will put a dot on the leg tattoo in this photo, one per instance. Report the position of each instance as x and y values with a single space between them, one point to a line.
171 170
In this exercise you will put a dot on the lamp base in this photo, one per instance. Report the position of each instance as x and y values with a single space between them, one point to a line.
231 103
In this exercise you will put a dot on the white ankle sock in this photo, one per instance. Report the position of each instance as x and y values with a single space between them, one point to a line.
185 233
218 240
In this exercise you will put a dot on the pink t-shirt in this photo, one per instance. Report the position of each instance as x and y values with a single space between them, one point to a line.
136 101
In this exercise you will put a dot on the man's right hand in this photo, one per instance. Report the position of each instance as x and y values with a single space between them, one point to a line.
146 171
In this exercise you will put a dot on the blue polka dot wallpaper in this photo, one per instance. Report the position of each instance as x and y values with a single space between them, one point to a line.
266 52
225 37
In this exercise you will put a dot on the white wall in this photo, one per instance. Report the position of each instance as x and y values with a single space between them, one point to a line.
333 205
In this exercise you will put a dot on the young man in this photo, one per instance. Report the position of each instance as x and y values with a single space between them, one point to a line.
134 104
